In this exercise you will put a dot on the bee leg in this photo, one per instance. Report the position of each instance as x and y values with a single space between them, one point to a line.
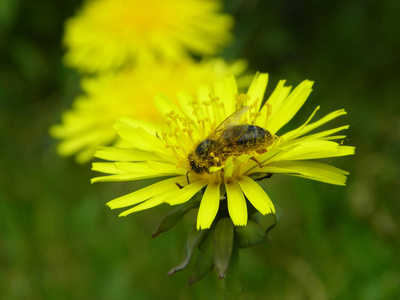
222 174
187 177
255 159
178 185
269 175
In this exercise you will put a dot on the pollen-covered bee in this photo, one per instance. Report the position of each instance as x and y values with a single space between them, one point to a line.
229 139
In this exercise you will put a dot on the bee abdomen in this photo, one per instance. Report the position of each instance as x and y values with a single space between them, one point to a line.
253 136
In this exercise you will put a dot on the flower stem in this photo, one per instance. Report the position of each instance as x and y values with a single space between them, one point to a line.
232 286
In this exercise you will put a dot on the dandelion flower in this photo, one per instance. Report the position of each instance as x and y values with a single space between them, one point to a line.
231 177
129 93
109 34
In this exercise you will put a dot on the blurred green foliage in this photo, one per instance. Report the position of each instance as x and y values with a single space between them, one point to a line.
58 240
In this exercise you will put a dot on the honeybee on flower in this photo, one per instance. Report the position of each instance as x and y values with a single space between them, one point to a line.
229 139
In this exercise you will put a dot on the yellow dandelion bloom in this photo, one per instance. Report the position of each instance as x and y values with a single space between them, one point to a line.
224 161
129 93
109 34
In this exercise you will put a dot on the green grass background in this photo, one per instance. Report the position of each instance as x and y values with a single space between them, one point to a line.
58 240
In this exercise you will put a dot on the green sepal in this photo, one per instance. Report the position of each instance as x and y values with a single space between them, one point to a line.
205 261
223 243
250 235
174 216
192 242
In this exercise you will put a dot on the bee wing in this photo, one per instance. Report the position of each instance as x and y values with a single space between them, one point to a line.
229 137
230 121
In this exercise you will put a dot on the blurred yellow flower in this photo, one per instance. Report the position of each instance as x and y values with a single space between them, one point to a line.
109 34
227 163
129 93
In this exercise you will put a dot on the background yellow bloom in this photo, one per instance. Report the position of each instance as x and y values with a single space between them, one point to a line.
109 34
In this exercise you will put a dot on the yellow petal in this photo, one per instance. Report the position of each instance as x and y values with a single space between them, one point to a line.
240 161
150 127
166 168
308 127
107 167
228 168
183 195
124 171
209 206
226 90
327 134
313 149
256 195
308 169
146 193
322 121
257 89
124 154
165 105
124 177
236 202
276 99
145 205
298 131
183 99
139 138
289 107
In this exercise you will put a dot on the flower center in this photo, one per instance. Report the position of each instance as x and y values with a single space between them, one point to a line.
205 141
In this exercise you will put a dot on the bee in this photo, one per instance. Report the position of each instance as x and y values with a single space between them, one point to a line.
229 139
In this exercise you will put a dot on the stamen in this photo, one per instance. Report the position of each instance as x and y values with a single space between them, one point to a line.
240 100
254 116
255 102
269 108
